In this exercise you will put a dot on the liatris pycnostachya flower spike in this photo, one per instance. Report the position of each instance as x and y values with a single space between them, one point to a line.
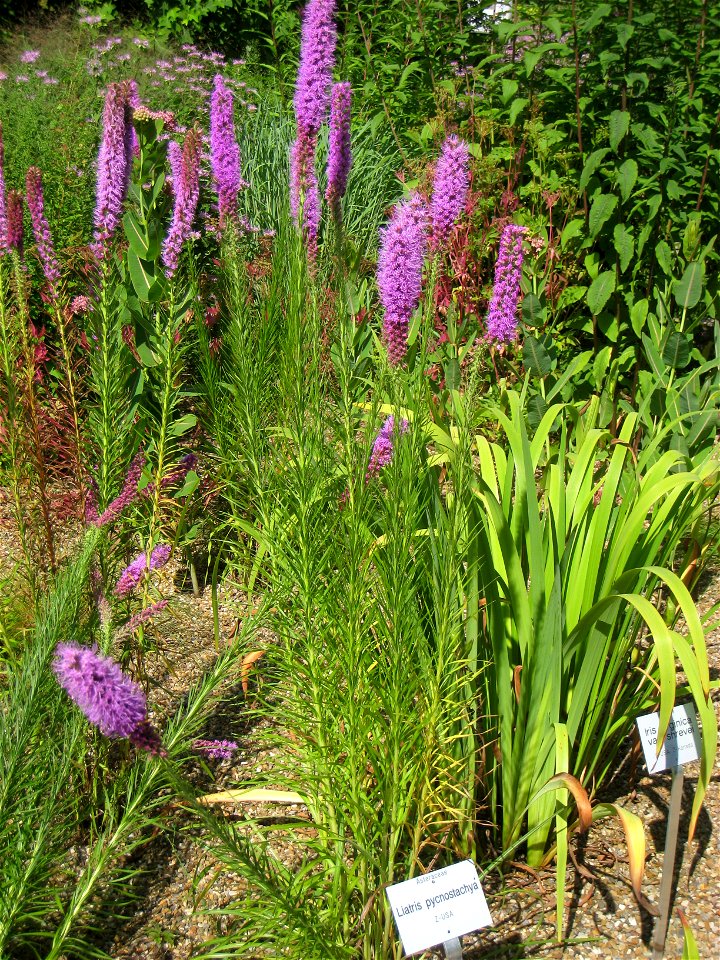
317 58
109 699
224 152
382 451
450 188
41 229
15 226
216 749
138 619
134 572
4 242
186 188
304 190
188 463
126 496
339 155
400 266
502 313
113 162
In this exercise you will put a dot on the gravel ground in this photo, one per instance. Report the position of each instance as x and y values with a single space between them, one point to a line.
603 920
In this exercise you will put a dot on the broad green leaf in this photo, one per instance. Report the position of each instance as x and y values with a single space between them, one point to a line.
509 89
142 275
533 312
688 289
601 12
624 244
663 255
624 33
627 175
591 165
601 210
536 358
600 291
676 352
181 426
516 109
619 126
136 236
638 313
573 229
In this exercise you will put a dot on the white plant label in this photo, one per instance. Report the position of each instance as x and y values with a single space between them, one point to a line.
682 742
438 906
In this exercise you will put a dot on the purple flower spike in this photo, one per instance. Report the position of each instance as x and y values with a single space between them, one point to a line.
452 178
135 571
186 188
224 152
113 167
216 749
502 314
317 58
15 227
304 190
144 615
110 700
43 238
339 155
126 496
382 451
400 265
4 243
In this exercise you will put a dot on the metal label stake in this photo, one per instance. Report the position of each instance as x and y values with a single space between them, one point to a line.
453 950
668 870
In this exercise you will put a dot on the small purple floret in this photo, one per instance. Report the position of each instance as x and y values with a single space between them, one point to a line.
216 749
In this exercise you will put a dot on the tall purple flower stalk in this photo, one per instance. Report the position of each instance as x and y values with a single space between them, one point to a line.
382 451
109 699
4 243
15 227
400 266
186 187
317 58
304 189
502 313
41 228
126 496
113 167
339 155
311 102
224 152
134 572
450 187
